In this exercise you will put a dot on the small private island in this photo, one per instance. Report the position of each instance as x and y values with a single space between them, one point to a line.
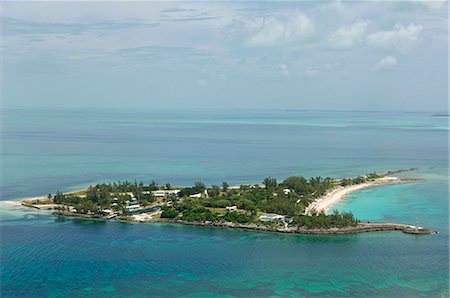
296 205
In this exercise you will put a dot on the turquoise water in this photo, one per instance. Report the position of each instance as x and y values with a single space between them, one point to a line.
45 150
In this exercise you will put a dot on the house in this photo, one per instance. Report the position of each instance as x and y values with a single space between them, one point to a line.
132 208
159 193
232 208
107 211
164 193
197 195
286 191
114 205
271 217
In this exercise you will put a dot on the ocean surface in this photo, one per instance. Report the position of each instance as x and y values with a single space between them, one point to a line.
47 150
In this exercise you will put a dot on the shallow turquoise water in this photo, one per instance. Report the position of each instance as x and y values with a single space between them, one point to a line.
42 255
46 256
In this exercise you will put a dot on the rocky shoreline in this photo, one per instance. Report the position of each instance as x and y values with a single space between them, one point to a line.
360 228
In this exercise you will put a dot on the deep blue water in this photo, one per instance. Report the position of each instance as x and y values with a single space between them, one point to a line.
48 150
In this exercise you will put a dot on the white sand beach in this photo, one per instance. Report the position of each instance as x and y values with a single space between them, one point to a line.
325 202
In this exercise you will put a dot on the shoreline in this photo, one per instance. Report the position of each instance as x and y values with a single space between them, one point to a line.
339 189
359 228
326 202
41 197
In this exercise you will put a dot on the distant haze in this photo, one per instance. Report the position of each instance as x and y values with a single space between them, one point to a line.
172 55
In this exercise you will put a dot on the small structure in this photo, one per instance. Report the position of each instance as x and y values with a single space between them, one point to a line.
132 208
164 193
231 209
197 195
286 191
288 219
271 217
114 204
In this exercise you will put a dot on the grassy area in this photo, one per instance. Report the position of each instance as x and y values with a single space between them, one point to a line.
218 211
39 201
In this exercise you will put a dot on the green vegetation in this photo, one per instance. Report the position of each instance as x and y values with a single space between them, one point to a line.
360 179
169 212
335 220
200 203
107 196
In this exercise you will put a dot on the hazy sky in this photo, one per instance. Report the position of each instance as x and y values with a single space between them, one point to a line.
287 55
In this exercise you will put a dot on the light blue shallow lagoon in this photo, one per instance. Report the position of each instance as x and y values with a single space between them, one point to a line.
47 150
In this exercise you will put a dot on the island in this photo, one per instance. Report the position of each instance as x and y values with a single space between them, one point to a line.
295 205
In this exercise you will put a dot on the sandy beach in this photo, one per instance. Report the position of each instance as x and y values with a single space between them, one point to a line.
325 202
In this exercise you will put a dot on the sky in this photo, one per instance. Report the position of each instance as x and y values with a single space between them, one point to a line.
337 55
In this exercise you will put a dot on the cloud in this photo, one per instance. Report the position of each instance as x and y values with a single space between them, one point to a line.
283 69
281 30
384 64
347 36
180 14
400 38
433 4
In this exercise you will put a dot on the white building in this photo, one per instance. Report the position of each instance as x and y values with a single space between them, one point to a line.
232 208
271 217
164 193
133 207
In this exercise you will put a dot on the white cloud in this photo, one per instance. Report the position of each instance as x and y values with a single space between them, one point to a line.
283 69
384 63
400 38
433 4
279 30
347 36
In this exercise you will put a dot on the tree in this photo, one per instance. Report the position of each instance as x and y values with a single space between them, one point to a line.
58 198
345 182
86 205
225 186
199 186
270 183
91 194
168 186
153 185
214 191
169 212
